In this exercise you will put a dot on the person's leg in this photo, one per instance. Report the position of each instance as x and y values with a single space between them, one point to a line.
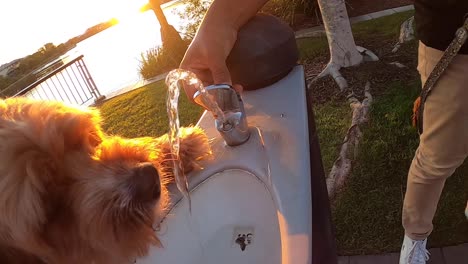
466 210
443 147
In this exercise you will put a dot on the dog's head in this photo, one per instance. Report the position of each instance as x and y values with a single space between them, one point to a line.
65 187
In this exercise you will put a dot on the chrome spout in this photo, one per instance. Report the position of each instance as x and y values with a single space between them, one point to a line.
230 118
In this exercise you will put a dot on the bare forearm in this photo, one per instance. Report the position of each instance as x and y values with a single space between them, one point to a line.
206 55
231 13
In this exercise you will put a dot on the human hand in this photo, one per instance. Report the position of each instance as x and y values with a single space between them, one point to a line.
206 56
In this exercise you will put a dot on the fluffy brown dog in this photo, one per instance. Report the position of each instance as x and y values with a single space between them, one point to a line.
71 194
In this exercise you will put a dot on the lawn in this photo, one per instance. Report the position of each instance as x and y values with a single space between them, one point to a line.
142 112
367 213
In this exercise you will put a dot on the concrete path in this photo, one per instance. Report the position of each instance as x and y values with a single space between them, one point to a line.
319 30
137 85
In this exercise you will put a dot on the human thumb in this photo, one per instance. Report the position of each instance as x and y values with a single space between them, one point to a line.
221 75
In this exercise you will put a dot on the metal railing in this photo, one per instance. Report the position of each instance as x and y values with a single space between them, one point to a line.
69 82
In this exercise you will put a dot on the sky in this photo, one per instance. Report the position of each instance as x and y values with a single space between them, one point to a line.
26 25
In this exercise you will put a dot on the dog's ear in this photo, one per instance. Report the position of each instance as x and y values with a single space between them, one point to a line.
75 127
54 126
25 173
34 138
80 128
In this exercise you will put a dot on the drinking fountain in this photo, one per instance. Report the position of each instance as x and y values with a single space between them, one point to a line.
262 198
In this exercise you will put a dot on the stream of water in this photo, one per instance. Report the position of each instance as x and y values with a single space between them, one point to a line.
175 81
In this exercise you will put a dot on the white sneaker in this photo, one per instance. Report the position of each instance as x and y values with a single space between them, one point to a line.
414 251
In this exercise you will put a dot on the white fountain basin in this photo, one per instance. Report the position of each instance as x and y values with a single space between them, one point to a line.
260 192
209 234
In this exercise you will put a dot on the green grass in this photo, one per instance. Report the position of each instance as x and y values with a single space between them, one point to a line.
312 47
367 214
142 112
387 26
332 120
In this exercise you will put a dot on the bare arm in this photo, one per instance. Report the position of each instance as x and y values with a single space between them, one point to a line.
231 13
206 55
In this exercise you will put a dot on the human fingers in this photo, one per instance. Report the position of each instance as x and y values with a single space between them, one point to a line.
220 73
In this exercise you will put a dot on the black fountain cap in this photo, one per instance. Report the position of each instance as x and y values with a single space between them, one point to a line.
265 52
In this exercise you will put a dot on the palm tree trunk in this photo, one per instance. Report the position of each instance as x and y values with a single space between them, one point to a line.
156 7
343 49
171 40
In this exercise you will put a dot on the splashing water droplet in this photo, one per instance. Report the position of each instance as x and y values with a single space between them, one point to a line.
175 81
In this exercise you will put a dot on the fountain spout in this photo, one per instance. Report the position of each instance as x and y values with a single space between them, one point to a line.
231 122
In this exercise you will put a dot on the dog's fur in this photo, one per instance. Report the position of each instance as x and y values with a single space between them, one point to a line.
71 194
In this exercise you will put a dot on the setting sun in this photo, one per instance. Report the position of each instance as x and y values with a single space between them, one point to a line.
56 21
129 11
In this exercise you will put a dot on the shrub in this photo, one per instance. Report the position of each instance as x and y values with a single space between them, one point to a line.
159 60
15 86
192 15
288 9
154 62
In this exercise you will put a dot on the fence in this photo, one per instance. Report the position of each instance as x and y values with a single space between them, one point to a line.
68 82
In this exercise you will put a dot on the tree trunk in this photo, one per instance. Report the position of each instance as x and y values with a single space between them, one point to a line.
343 49
344 53
172 42
343 164
156 7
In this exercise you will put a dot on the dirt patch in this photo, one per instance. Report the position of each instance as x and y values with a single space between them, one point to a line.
379 73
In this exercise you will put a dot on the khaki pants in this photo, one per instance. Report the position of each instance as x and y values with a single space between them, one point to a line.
443 145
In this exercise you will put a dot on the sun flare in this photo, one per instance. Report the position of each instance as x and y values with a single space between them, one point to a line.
127 12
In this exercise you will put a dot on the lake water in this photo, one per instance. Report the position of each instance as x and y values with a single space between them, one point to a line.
113 55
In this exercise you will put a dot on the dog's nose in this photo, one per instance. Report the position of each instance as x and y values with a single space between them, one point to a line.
147 185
